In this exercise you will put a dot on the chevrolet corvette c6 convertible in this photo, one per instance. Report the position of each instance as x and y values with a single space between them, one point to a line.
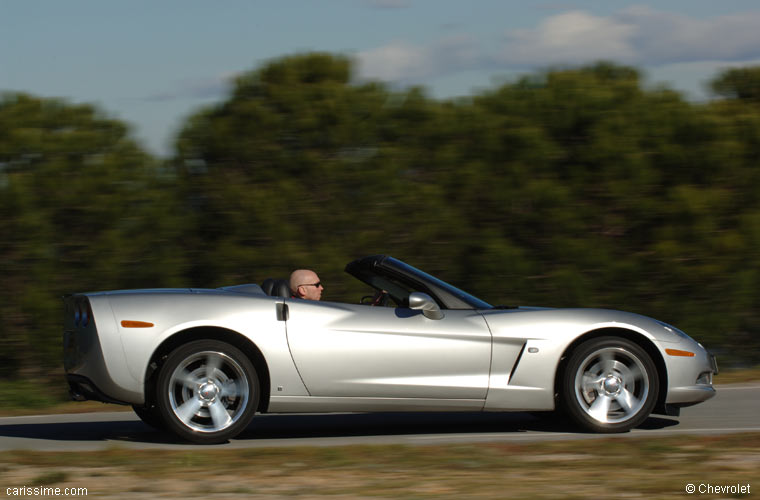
201 362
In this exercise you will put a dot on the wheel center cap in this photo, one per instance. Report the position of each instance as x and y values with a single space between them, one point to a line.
208 391
612 385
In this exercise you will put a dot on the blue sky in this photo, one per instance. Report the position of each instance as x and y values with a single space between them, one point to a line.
152 63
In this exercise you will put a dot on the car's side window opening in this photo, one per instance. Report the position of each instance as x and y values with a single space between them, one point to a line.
397 292
399 280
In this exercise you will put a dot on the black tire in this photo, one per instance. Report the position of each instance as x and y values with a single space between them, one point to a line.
610 384
207 391
150 415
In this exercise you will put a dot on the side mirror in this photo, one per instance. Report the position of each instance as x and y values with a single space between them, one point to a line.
425 303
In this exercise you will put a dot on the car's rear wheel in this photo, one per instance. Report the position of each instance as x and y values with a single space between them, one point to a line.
610 384
207 391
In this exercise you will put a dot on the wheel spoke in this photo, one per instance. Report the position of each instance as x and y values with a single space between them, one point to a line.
219 414
213 363
600 407
632 374
627 401
187 380
607 362
188 409
230 389
591 381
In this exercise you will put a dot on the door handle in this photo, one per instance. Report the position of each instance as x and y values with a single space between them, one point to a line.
282 312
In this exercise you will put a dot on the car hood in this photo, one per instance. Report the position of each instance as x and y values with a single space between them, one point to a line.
580 320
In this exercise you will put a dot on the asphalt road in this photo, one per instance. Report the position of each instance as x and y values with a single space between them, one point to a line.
736 408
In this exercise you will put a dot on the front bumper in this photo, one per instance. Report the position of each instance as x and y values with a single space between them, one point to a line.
687 396
690 379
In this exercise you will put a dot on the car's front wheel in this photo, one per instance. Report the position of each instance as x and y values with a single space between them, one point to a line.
207 391
610 384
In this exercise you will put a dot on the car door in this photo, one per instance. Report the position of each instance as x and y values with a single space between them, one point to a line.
345 350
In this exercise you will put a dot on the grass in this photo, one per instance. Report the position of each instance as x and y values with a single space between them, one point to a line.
738 376
58 407
37 397
50 477
599 468
27 394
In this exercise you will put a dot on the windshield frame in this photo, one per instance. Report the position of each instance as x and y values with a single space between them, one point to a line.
445 294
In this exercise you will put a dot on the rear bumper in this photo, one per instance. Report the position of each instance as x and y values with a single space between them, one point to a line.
83 389
84 362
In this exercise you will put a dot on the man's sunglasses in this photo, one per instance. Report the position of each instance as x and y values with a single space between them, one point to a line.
317 284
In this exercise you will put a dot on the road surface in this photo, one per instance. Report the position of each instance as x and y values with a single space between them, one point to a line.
734 409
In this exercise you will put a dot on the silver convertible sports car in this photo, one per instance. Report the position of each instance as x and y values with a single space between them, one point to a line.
202 362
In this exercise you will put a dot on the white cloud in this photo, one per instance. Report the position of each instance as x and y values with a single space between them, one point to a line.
571 37
401 61
396 61
637 35
664 37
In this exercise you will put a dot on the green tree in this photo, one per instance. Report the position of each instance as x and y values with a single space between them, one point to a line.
81 208
739 83
300 166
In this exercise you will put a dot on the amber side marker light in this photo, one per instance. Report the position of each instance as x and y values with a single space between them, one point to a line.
678 352
136 324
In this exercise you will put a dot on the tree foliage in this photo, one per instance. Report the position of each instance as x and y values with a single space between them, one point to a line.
739 83
574 187
81 208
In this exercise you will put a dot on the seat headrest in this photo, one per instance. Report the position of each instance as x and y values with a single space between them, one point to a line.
277 288
281 289
267 285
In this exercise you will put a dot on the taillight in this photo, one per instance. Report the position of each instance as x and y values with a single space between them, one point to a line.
83 313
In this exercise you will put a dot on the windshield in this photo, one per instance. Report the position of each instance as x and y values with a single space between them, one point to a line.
424 277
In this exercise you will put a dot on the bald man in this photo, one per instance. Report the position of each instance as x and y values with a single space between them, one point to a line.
305 284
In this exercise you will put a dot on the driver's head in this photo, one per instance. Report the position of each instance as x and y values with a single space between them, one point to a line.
305 284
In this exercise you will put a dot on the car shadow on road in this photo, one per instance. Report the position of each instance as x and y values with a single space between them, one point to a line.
423 423
300 427
114 430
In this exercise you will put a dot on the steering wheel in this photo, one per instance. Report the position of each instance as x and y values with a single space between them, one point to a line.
379 299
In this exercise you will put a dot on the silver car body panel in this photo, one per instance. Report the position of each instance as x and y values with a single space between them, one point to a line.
127 351
344 350
327 356
541 336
